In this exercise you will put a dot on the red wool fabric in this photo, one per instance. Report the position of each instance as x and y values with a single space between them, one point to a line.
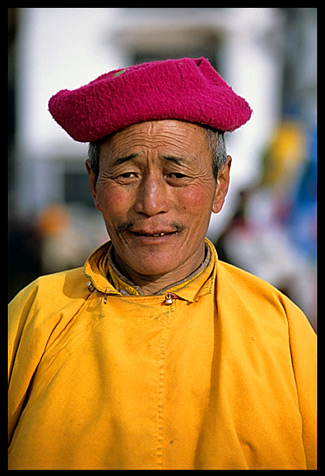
185 89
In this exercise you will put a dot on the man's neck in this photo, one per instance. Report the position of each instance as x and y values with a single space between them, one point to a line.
149 285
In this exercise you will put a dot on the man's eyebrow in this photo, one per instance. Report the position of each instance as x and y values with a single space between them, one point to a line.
176 160
121 160
170 158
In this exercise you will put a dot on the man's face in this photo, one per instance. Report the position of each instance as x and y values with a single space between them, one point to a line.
156 191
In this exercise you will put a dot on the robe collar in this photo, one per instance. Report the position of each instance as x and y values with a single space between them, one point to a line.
106 278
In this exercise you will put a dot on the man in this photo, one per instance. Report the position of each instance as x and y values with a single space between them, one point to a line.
156 355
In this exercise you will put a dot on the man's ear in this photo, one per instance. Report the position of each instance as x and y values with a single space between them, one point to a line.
222 186
92 181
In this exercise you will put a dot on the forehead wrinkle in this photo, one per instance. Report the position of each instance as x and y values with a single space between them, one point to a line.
169 141
167 148
140 158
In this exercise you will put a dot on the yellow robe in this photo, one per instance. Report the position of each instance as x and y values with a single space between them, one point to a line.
222 378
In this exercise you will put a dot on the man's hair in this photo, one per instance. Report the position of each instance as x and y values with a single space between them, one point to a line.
216 145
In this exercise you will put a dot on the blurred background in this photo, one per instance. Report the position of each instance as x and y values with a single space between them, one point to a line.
268 56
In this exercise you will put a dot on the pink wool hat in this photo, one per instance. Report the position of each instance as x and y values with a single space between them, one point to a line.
184 89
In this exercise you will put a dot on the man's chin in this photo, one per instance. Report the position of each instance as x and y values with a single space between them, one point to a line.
146 258
151 266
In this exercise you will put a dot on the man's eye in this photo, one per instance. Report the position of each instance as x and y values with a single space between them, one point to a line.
177 179
126 177
177 175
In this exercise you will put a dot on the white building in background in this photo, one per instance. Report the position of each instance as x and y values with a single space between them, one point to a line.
64 48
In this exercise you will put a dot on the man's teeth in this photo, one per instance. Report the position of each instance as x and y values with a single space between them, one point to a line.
148 234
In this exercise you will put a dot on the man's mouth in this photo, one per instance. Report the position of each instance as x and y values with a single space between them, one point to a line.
150 231
163 233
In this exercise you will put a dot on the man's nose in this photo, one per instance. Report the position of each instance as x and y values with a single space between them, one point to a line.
152 196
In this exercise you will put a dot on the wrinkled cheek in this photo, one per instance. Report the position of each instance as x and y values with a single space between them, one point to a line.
114 208
114 200
195 201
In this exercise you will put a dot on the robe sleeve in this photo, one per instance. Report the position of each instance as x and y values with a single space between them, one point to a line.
24 350
303 353
37 315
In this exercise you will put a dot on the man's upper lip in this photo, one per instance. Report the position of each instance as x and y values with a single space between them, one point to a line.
151 231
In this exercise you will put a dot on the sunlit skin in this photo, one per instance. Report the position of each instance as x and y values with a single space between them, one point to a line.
155 178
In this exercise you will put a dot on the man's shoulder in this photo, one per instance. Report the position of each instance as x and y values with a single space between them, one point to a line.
255 290
63 280
50 284
53 291
48 302
244 276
